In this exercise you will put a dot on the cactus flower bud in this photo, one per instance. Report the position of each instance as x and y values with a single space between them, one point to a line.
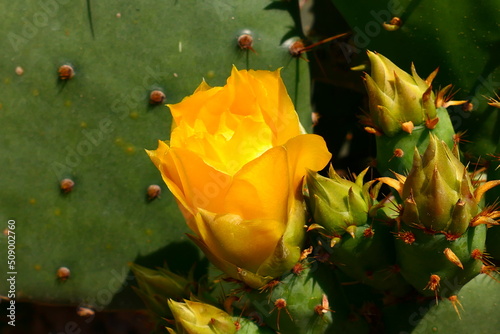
403 111
438 192
396 97
199 318
157 286
336 204
366 251
438 195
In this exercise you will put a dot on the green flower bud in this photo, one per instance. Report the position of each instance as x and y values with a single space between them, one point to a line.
396 97
157 286
338 205
438 193
199 318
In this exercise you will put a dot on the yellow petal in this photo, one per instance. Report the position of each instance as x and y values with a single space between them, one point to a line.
241 86
205 186
260 189
265 92
251 279
157 155
192 181
279 111
160 158
289 247
305 152
202 87
190 108
250 139
244 243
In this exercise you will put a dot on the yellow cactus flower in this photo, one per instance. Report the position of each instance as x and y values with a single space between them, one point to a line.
235 163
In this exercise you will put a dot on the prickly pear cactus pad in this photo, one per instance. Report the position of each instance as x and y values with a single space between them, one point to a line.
83 91
474 314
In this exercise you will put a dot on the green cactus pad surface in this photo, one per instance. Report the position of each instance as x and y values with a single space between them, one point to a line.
426 257
388 161
477 313
93 127
302 309
248 326
370 259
